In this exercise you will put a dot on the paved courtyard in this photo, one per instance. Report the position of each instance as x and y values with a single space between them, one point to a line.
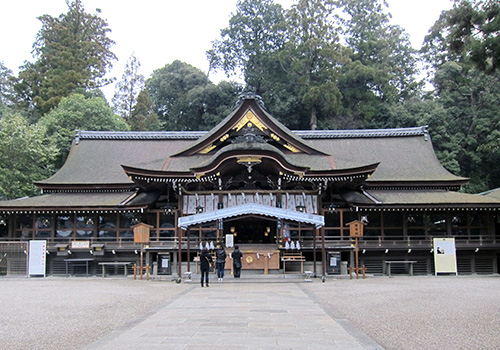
422 312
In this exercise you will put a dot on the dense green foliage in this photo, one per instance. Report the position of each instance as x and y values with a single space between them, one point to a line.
143 116
382 65
26 155
247 45
474 32
320 64
185 99
467 88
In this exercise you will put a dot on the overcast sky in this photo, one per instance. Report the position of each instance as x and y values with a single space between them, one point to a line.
160 31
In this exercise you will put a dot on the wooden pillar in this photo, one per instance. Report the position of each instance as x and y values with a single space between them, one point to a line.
158 225
220 223
33 226
179 256
315 235
118 228
357 258
188 239
323 252
179 232
315 232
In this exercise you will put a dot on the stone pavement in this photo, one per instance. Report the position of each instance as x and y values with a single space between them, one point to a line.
240 315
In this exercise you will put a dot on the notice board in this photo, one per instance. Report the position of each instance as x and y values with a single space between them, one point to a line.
37 258
229 241
445 259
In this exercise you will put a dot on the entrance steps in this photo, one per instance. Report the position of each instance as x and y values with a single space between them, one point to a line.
252 277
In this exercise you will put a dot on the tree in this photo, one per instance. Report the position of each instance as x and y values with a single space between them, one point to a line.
469 33
247 45
6 88
168 87
383 63
207 105
311 56
5 84
184 99
128 89
26 155
474 31
77 112
471 101
467 91
72 52
143 117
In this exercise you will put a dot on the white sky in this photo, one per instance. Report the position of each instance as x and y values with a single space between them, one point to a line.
161 31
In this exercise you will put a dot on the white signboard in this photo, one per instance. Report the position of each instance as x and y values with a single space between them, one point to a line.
445 259
80 244
229 241
37 258
164 263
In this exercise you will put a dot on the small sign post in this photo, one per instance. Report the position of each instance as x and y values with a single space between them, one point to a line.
355 231
141 235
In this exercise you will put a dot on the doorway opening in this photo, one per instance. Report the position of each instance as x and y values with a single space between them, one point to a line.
251 230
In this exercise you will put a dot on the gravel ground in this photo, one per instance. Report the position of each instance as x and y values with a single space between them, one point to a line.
425 312
59 313
422 312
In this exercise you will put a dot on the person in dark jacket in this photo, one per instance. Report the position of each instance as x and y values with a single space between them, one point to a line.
236 255
205 263
221 263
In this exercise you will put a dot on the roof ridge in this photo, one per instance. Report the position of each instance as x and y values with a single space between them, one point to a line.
138 135
306 134
363 133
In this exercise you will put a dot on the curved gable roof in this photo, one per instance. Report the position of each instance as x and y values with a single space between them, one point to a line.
249 112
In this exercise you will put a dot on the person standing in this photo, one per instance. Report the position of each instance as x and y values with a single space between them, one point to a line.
221 263
205 263
237 255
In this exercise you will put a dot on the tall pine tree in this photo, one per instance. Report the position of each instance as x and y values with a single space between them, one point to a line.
128 88
73 53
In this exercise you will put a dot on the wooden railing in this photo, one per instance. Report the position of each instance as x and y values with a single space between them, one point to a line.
305 242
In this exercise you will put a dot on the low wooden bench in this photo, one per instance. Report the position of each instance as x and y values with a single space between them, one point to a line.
77 262
293 257
388 263
114 263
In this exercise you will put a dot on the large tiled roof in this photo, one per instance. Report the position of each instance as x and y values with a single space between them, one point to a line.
402 158
495 193
97 160
70 201
429 198
405 155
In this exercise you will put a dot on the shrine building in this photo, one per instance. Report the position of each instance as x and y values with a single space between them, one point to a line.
284 197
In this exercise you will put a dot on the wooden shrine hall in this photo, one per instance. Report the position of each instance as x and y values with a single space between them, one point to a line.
284 197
